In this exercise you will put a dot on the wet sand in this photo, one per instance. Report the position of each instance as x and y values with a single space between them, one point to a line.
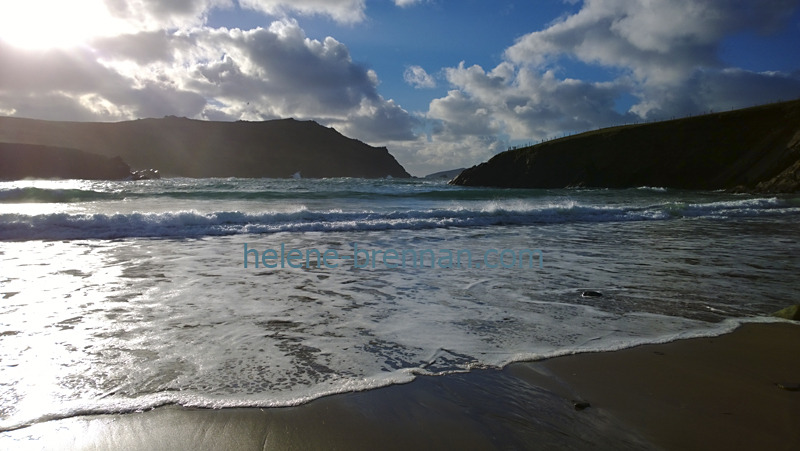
705 393
709 393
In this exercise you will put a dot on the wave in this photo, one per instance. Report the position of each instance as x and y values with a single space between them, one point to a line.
31 194
191 224
41 195
192 399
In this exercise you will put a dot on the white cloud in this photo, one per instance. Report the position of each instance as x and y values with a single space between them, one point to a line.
657 41
418 78
462 115
344 11
663 55
424 156
378 120
522 103
149 15
406 3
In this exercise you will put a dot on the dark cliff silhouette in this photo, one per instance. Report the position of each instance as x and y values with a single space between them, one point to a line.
19 161
192 148
753 149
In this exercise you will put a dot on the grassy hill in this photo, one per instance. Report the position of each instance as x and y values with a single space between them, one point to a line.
192 148
755 149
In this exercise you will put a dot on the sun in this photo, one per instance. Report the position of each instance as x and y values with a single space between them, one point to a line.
43 24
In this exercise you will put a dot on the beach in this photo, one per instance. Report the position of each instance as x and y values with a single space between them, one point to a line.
393 314
701 393
235 225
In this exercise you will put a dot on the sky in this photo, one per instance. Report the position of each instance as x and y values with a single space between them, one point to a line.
442 84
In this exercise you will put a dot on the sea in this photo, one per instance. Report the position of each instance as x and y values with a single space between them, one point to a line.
120 296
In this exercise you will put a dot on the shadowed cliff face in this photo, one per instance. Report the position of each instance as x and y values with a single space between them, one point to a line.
18 161
754 149
190 148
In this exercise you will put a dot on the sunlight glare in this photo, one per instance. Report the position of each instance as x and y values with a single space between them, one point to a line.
44 24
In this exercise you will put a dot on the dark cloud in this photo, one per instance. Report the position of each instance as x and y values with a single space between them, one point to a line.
319 75
233 74
52 70
142 48
74 85
49 106
718 90
162 99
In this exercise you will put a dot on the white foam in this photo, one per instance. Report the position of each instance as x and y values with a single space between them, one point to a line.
92 325
301 219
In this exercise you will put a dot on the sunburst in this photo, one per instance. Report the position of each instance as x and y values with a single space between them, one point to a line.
44 24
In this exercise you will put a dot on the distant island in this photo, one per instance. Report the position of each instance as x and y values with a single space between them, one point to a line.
755 149
193 148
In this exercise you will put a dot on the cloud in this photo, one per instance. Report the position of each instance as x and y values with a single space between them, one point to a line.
717 90
344 11
206 73
418 78
657 59
379 120
140 48
406 3
149 15
292 73
423 156
522 103
462 115
658 42
74 85
662 55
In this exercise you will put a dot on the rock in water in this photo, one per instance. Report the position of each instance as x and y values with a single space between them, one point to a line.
792 313
581 405
145 174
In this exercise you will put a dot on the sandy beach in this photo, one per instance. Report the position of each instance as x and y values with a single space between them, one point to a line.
721 393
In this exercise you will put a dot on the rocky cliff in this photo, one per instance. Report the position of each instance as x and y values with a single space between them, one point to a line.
18 161
753 149
192 148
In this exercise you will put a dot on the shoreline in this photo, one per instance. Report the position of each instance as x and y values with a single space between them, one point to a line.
715 392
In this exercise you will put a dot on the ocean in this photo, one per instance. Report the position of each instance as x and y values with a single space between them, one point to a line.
123 296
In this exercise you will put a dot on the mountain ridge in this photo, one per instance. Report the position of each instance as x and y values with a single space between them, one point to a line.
195 148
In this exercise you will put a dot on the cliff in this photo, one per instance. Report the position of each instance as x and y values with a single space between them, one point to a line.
18 161
753 149
192 148
449 174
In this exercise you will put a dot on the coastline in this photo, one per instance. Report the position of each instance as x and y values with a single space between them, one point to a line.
698 393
